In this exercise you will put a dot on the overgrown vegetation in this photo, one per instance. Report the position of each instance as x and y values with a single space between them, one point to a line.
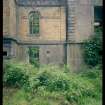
93 48
50 85
34 56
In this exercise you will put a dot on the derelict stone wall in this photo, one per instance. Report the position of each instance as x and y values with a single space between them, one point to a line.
6 16
80 20
52 23
52 54
75 56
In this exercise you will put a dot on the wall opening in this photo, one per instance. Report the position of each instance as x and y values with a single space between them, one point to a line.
7 48
34 56
98 15
5 53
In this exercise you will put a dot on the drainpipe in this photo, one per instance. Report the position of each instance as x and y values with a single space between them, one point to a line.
65 45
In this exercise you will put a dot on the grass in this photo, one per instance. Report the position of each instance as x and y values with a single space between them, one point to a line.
51 85
19 97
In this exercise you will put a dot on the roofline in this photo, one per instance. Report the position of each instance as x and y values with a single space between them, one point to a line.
16 2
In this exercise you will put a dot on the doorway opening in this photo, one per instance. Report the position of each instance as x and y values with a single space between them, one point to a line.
34 56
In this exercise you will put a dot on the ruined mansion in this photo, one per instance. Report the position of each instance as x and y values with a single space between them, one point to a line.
48 31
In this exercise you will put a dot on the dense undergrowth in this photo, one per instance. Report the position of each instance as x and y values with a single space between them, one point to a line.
50 85
93 47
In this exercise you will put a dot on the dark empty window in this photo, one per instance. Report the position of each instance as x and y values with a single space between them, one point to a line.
4 53
98 13
7 43
34 22
7 47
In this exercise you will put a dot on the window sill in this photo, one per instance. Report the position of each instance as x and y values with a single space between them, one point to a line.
33 35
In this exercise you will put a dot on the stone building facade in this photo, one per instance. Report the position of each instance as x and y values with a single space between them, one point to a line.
63 25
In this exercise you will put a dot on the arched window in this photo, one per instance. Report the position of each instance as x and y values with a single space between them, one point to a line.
34 22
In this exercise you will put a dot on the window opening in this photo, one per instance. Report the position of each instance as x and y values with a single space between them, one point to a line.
34 56
98 15
34 22
4 53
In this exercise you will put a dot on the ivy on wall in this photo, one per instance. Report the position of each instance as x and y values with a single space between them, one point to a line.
93 48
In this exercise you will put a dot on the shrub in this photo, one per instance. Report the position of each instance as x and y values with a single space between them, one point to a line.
87 85
93 48
92 73
50 80
14 75
94 76
79 88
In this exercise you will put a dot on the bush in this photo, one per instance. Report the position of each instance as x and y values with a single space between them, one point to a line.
50 80
93 48
15 75
79 88
94 76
